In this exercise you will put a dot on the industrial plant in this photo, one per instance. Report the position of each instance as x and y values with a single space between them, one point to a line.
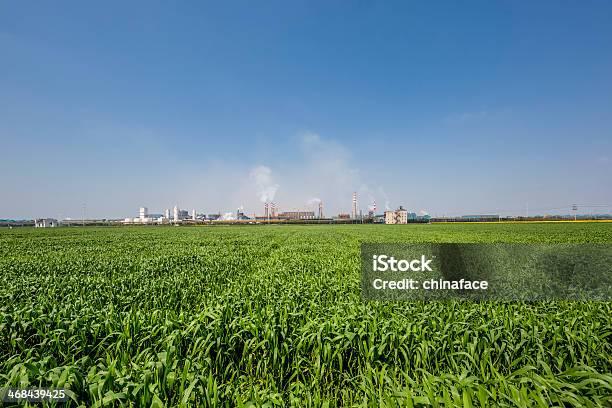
311 213
271 213
177 216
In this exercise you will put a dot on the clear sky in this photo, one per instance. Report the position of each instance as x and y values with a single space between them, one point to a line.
446 107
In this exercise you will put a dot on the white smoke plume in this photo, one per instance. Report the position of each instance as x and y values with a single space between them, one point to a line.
313 202
371 198
386 198
228 216
320 169
261 177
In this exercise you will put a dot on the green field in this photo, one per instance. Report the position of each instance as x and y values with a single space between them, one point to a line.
256 315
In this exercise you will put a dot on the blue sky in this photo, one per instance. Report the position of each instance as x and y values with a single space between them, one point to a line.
450 108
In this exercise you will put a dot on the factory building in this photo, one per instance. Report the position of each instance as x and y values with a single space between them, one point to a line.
378 219
481 217
176 215
297 215
399 216
240 216
181 215
144 217
45 223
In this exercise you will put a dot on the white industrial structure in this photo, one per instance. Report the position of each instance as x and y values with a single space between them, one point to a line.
176 216
399 216
145 218
354 208
45 223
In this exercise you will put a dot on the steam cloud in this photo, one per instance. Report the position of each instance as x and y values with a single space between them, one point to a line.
319 170
228 216
261 177
387 203
313 202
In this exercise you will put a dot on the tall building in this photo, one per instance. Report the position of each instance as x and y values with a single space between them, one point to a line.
176 213
167 214
399 216
354 208
144 213
193 214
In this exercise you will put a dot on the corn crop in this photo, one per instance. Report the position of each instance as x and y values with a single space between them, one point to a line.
273 316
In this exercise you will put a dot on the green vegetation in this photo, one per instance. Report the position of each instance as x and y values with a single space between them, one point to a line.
239 316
